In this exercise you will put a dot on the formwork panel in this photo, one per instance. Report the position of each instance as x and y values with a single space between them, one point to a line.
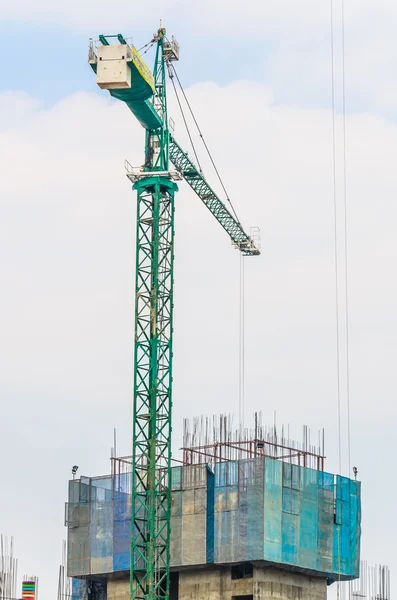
188 502
200 501
193 539
273 494
290 539
121 531
176 541
325 530
308 533
79 552
176 504
101 537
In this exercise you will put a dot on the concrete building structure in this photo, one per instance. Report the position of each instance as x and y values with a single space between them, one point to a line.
217 583
246 524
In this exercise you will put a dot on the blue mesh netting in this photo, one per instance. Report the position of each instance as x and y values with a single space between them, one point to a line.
251 509
287 514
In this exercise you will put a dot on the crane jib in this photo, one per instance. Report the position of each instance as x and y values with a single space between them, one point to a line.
215 205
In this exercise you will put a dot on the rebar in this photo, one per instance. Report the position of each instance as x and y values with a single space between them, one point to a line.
8 569
64 582
373 584
211 440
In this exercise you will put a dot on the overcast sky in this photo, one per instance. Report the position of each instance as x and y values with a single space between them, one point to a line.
259 78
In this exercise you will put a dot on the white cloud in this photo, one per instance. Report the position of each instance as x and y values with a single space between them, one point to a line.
290 41
248 19
66 234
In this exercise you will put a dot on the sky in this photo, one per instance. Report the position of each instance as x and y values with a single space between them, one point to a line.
258 75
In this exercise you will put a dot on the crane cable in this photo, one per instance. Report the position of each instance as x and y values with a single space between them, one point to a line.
172 72
150 44
335 242
345 235
346 277
171 67
346 254
346 239
183 117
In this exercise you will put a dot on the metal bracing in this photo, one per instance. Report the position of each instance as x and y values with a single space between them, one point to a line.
152 389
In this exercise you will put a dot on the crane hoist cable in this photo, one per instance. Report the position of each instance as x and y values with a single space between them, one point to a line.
203 140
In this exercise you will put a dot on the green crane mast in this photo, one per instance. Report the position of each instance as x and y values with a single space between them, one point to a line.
120 69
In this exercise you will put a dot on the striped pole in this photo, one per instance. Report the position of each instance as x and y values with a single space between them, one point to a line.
28 590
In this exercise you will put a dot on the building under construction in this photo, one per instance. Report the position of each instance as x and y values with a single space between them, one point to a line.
254 515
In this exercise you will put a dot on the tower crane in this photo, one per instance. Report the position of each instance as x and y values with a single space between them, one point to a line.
120 69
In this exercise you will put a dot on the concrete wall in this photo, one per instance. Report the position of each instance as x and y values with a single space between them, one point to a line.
216 583
118 589
273 584
266 584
